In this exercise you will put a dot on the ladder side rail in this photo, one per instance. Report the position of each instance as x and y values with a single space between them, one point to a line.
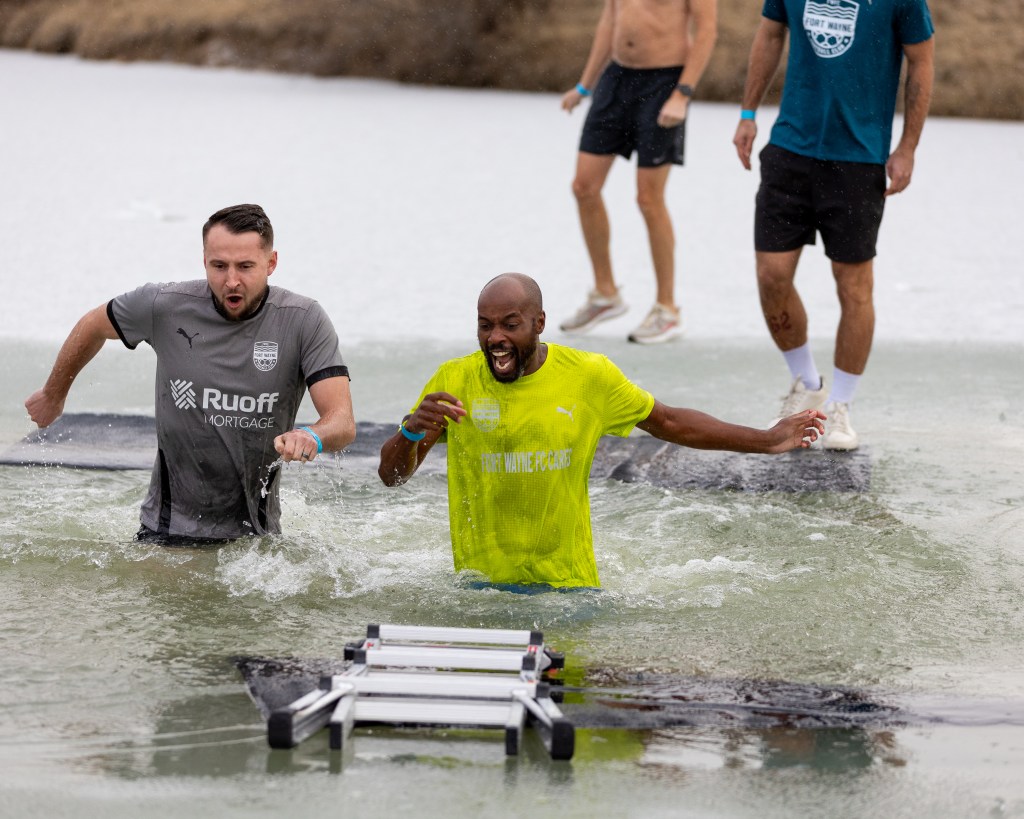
531 705
305 700
289 726
514 728
557 732
342 721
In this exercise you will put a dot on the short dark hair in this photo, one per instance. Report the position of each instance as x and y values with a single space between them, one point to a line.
243 219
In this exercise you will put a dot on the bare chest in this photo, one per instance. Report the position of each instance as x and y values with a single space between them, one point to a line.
650 33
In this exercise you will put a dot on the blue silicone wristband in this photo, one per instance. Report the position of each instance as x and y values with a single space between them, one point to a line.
412 436
582 90
319 443
746 113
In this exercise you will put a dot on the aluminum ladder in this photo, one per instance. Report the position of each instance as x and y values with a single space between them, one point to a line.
427 676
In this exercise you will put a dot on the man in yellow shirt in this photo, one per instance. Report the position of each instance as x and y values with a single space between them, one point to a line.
522 420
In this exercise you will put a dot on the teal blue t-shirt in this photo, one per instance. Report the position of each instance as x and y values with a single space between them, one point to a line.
843 74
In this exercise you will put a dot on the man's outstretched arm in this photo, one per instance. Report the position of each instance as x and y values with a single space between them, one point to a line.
90 333
336 426
699 430
402 454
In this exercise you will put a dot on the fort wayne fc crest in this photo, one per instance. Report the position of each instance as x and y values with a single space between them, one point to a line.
264 355
830 25
486 413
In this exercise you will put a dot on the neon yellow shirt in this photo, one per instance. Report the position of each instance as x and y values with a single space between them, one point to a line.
519 463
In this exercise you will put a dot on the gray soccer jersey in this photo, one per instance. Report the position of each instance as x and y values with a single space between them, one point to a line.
224 391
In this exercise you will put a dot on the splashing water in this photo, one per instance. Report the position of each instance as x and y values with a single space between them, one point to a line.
265 482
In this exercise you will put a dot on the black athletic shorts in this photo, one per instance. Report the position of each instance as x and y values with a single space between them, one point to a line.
623 116
147 535
800 196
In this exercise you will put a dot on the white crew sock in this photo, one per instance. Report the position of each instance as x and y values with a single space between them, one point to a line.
801 364
844 385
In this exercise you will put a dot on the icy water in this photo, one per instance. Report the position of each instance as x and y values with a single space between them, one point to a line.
118 691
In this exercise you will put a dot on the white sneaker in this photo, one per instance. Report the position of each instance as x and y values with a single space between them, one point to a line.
838 432
662 323
800 398
597 309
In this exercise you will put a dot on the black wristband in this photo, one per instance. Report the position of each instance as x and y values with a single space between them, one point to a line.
685 90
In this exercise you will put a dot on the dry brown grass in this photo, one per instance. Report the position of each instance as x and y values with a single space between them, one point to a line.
515 44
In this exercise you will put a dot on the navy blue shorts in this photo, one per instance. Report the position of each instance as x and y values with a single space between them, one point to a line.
800 196
623 116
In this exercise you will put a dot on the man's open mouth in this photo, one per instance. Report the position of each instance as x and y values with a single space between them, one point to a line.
503 361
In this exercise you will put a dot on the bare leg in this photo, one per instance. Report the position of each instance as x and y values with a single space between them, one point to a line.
591 173
650 190
854 284
782 307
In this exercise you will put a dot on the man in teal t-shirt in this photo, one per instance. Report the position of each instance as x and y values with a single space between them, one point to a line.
824 170
522 420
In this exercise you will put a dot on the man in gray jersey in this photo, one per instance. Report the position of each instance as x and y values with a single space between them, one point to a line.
234 358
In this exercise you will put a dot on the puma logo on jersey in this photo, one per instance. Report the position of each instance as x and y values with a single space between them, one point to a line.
188 338
568 412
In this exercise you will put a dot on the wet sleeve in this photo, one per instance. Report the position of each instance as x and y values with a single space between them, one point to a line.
132 314
321 353
627 404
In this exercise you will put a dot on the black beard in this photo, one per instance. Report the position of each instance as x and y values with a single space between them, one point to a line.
507 378
249 314
521 357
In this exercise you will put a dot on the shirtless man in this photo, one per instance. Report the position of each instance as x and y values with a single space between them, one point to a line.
642 69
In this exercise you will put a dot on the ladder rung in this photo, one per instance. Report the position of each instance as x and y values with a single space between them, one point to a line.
482 636
439 684
484 659
432 712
